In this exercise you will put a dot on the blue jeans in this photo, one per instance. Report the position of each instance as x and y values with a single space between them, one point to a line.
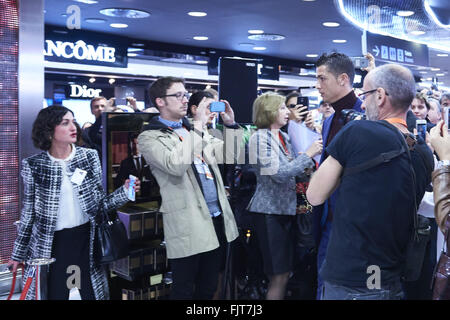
391 291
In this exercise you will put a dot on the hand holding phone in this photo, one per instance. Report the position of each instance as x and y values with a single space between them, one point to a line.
360 62
131 191
421 127
217 106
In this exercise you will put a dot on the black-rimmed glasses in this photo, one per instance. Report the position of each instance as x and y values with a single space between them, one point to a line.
178 95
363 95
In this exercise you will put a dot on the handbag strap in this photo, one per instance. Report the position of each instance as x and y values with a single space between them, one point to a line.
13 284
447 234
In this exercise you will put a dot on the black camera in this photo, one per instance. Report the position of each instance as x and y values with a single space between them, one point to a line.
348 115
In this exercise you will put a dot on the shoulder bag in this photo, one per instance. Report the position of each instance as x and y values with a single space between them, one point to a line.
441 275
111 241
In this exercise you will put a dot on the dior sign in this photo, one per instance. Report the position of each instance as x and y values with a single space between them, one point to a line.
77 91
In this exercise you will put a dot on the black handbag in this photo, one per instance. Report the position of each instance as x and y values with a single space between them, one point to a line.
111 241
304 237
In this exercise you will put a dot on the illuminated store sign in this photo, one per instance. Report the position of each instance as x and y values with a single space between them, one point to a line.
79 50
77 91
83 47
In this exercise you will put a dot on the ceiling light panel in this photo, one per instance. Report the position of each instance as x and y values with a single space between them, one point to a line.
87 1
197 14
256 31
331 24
394 18
118 25
266 37
125 13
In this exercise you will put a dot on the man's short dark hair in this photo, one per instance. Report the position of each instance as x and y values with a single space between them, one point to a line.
45 123
195 99
159 88
338 63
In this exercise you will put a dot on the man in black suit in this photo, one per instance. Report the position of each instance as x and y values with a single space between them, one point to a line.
136 165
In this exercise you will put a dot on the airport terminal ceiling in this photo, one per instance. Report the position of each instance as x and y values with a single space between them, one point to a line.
291 29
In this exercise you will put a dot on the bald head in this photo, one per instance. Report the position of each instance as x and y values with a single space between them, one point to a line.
397 81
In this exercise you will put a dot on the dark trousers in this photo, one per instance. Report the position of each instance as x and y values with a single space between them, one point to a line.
421 288
196 277
322 251
390 291
70 248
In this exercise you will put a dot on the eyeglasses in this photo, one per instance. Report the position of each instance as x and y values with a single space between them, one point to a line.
178 95
363 96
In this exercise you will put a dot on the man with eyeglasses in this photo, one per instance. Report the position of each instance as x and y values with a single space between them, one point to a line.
374 212
198 221
335 74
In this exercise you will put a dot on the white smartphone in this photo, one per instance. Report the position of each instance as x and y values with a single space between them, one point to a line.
421 127
131 192
447 117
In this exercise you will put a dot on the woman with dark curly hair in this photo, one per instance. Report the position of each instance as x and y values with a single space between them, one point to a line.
62 194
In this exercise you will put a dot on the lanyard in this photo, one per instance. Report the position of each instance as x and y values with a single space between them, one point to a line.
283 143
179 137
397 120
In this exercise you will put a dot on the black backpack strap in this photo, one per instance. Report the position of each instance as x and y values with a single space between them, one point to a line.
381 158
413 173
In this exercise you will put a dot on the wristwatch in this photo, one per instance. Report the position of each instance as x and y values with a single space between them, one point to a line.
442 163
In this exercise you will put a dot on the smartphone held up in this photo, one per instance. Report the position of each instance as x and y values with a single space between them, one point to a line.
421 127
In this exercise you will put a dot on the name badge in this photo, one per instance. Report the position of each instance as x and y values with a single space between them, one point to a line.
78 176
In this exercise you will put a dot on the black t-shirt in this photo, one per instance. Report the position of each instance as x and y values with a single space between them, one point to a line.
373 219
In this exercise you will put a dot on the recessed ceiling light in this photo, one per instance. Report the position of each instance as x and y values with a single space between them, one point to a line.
339 41
405 13
197 14
200 38
132 54
312 55
125 13
111 80
246 44
417 32
440 74
201 61
259 48
255 31
435 69
442 54
87 1
92 80
429 79
135 49
118 25
331 24
94 20
266 37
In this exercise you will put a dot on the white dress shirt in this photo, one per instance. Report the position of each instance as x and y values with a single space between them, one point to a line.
70 214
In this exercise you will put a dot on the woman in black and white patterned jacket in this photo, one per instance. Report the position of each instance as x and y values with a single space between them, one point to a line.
62 194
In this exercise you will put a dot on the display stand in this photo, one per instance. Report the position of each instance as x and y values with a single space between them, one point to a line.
144 273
